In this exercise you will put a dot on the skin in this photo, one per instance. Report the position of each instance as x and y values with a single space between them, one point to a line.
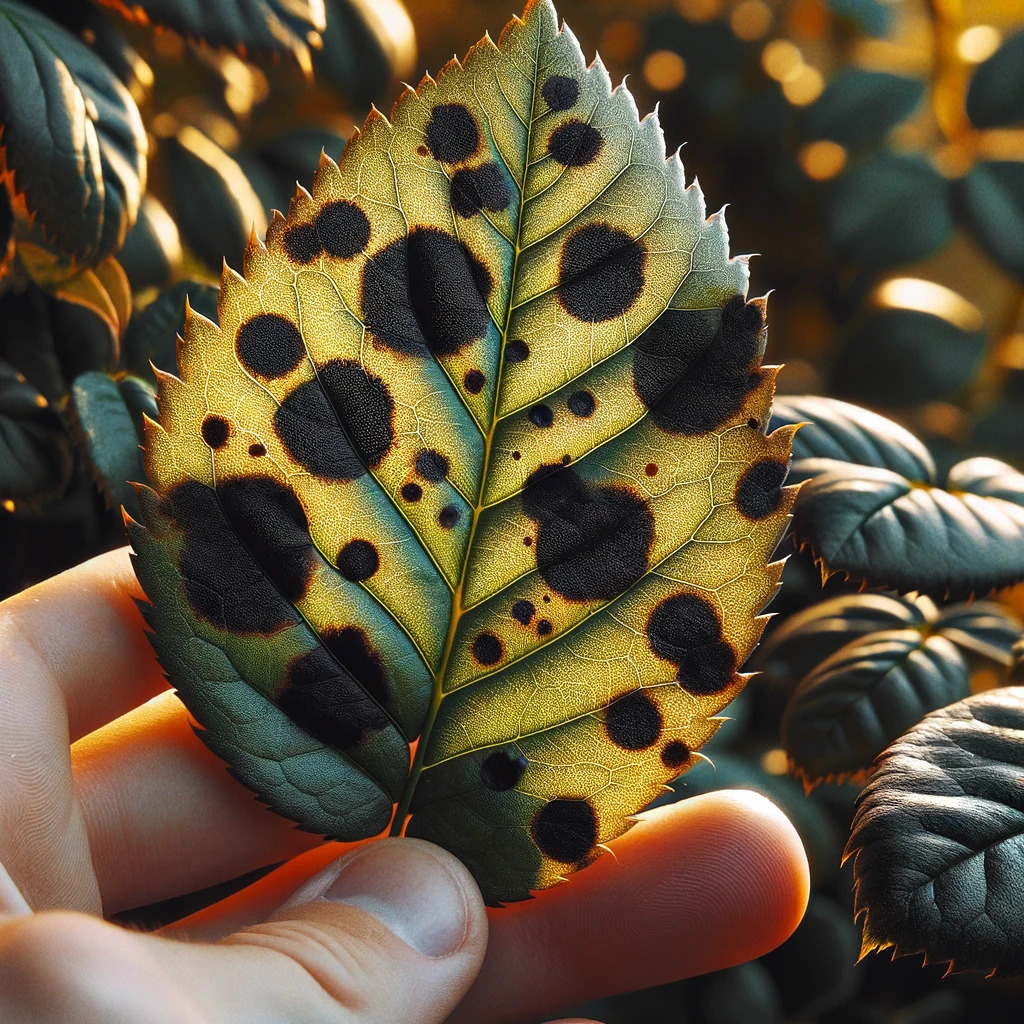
108 801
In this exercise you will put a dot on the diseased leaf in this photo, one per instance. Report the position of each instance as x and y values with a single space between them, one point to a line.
860 106
879 527
72 147
270 26
474 457
938 838
108 416
993 197
996 94
859 699
849 433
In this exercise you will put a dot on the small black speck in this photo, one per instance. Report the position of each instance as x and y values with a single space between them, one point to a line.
541 415
448 516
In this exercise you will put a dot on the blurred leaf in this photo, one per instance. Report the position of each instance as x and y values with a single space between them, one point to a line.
108 416
103 289
871 16
990 477
838 430
900 357
151 254
860 106
983 628
996 94
892 209
214 202
993 195
152 335
1017 669
35 456
858 700
293 157
877 526
244 25
72 137
6 234
938 838
743 993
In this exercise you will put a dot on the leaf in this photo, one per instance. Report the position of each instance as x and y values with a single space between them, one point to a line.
72 148
892 209
938 839
153 333
993 197
849 433
249 26
860 106
858 700
108 415
103 290
35 457
983 628
996 94
900 357
215 205
878 527
151 254
484 418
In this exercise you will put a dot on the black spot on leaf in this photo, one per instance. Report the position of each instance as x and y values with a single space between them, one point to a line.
358 560
651 469
560 92
412 492
448 516
343 229
675 754
582 404
269 345
452 135
565 830
474 381
759 491
487 649
601 273
541 415
575 144
592 541
543 627
432 465
426 291
352 650
693 368
523 611
502 770
257 450
481 188
634 722
301 243
686 630
215 430
517 351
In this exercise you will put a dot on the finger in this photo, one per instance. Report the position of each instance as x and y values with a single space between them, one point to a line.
697 886
82 632
11 900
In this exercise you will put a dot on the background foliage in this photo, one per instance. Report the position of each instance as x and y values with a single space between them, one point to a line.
873 151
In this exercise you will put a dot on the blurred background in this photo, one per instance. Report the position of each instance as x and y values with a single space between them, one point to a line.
871 150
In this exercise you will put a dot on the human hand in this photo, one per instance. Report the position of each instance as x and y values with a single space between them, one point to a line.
108 801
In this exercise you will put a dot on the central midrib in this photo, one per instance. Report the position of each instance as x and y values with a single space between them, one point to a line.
437 694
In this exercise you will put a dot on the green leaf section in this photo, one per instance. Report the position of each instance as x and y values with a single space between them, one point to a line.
995 97
860 106
993 198
938 839
72 143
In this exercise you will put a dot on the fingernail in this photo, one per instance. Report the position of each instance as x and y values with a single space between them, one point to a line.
408 888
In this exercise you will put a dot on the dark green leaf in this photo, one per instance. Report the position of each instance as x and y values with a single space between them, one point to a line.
746 992
151 254
214 203
857 701
1017 669
872 16
877 526
35 456
152 334
996 94
838 430
72 135
109 418
290 158
860 106
246 25
938 838
893 209
993 195
901 356
983 628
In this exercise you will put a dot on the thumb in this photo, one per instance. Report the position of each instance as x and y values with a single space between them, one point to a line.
394 931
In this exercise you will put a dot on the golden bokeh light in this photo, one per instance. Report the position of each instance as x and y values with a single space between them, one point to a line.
914 293
822 160
782 60
664 70
750 19
775 762
1011 353
699 10
978 43
804 87
8 505
621 40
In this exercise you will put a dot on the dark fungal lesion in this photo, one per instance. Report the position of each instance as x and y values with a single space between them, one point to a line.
501 770
487 648
634 722
269 345
452 135
358 560
215 430
686 630
759 490
475 189
575 144
560 92
601 272
565 830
